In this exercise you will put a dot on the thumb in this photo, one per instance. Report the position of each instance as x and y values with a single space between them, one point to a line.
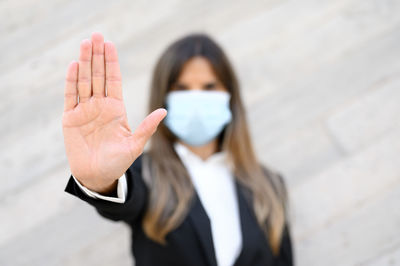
147 128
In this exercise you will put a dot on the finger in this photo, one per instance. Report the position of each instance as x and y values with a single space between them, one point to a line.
98 65
85 71
70 91
113 73
147 128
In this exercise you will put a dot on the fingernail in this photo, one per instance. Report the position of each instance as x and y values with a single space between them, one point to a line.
86 41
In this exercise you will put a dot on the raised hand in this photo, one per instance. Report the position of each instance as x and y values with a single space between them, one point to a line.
99 144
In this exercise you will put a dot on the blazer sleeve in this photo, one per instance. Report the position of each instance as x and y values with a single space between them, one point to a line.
135 202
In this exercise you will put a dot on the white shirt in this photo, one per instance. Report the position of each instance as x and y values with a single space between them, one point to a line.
214 184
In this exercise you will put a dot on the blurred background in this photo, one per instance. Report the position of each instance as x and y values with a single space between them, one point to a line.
321 84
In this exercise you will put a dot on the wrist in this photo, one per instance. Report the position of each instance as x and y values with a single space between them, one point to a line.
106 189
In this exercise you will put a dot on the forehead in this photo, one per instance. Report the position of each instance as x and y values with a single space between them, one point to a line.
197 69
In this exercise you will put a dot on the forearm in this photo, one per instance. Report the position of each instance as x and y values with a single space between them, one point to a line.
113 208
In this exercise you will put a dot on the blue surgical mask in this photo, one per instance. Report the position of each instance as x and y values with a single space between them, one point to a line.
196 117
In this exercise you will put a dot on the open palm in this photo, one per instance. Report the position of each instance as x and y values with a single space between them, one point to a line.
99 144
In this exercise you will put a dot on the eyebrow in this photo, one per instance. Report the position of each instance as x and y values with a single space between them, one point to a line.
180 86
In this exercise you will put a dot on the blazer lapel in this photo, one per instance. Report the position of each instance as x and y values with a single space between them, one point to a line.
252 236
202 226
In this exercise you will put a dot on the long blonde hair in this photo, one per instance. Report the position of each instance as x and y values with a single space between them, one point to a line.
171 190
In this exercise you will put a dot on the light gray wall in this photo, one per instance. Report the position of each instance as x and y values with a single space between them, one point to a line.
321 83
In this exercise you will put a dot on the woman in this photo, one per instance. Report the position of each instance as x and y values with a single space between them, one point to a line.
198 196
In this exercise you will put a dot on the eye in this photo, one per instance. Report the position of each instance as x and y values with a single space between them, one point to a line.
180 87
210 86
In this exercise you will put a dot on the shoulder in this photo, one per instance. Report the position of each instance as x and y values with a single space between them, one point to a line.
141 168
277 180
275 177
138 164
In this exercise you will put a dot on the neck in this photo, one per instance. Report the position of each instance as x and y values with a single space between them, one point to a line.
204 151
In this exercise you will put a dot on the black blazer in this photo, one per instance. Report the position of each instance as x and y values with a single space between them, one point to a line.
190 244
